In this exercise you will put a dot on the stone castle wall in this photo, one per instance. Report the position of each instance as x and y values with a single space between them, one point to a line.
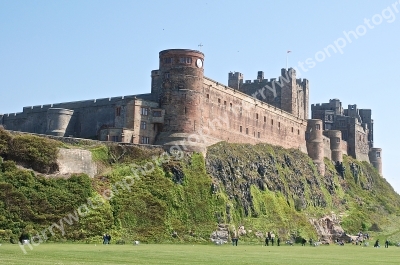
88 118
194 111
233 116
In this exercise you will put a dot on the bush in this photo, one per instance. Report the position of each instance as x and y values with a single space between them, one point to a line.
36 152
5 139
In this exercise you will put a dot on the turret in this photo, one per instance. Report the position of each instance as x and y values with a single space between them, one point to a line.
294 93
58 120
156 85
375 158
287 81
315 145
181 74
235 80
306 102
335 137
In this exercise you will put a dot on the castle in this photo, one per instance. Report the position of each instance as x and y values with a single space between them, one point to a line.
187 110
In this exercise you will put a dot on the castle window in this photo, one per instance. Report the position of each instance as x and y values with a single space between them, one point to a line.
166 75
219 101
168 60
157 113
317 127
208 96
186 60
298 132
143 125
118 111
256 116
225 103
378 154
230 105
292 129
144 140
272 122
144 111
265 119
240 128
337 140
247 130
259 134
279 124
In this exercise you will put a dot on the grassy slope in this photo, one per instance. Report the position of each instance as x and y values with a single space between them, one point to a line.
261 187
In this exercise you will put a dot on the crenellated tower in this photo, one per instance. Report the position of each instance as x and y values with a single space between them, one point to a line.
294 93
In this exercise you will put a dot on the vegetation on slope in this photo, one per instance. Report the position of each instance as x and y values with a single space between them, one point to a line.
262 187
34 152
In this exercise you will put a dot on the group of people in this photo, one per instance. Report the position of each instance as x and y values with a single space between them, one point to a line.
376 245
271 238
106 239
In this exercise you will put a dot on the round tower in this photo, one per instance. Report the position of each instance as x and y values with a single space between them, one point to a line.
315 145
375 158
335 137
181 80
58 120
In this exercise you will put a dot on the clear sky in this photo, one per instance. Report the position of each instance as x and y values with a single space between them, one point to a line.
57 51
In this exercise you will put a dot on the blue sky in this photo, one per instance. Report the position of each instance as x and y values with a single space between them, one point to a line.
57 51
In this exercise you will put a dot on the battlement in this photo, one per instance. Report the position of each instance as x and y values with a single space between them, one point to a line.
183 104
82 103
15 115
286 75
233 75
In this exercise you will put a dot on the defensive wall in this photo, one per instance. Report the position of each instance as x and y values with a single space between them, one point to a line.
233 116
82 119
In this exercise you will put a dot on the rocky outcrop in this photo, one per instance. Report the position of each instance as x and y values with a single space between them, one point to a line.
237 167
328 229
220 235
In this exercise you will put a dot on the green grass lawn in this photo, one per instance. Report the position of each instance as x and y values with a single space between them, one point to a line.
197 254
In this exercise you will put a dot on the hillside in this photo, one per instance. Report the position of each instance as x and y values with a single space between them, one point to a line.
140 194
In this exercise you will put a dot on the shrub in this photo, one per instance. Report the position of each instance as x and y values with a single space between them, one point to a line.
36 152
5 139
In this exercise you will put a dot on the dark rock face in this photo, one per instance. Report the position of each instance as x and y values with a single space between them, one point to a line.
238 167
175 172
244 171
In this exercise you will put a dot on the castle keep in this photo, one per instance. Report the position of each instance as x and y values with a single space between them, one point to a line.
189 111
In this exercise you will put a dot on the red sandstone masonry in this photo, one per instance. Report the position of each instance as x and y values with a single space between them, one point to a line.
260 122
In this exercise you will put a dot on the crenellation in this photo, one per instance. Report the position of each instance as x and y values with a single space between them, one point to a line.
188 111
